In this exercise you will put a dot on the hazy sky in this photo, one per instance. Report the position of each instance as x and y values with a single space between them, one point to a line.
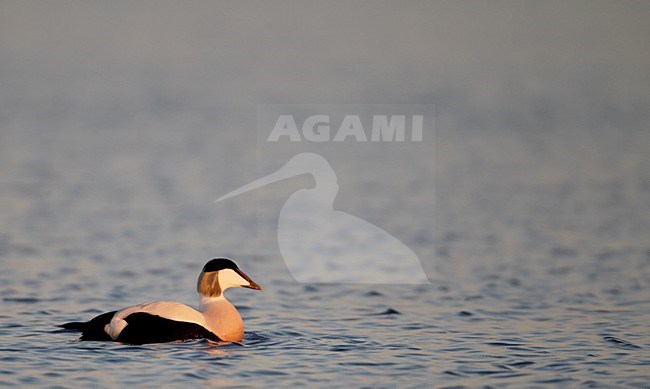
523 64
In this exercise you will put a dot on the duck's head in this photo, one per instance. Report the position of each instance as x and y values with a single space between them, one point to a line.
220 274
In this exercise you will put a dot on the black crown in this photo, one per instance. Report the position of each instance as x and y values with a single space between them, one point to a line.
219 264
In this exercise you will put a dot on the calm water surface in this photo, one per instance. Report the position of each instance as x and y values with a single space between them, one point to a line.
532 284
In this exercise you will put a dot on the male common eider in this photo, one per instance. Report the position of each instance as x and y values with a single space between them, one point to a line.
164 321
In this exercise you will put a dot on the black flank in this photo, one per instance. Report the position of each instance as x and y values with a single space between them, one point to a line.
147 328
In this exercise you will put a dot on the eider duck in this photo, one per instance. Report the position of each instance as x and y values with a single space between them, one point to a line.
164 321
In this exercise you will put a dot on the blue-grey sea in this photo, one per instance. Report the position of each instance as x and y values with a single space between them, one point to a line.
122 123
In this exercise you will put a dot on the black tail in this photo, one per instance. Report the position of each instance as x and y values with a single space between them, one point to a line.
75 325
93 329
